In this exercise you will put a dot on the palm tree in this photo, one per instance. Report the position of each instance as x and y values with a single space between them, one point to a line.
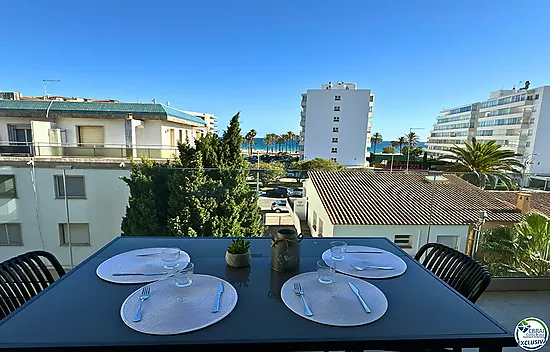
290 138
281 141
411 139
401 141
521 249
297 139
269 139
394 144
249 137
376 139
485 162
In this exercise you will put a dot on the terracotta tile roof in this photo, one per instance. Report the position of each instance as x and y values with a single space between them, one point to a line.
540 200
368 198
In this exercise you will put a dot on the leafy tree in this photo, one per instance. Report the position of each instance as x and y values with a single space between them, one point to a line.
415 151
487 163
317 164
201 193
271 172
388 149
376 139
521 249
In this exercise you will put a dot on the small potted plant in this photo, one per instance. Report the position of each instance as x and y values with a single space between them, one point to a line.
238 254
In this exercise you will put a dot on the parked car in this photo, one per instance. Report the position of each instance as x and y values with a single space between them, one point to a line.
298 192
279 206
280 192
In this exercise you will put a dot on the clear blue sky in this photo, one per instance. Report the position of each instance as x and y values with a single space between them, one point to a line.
257 57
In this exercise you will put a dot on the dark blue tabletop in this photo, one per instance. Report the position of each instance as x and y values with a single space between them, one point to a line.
81 310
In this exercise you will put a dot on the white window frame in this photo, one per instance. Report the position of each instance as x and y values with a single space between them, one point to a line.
337 108
334 139
337 97
8 195
447 235
336 119
57 189
334 159
409 244
62 235
8 244
335 129
334 150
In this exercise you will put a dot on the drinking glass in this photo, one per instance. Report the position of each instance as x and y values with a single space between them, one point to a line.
338 250
184 277
171 257
325 271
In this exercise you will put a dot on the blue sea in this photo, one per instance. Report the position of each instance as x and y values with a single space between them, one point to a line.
292 147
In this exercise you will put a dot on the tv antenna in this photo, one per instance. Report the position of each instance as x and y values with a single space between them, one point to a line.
44 82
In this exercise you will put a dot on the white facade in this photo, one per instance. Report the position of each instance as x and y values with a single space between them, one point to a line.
409 237
516 119
100 209
335 123
210 120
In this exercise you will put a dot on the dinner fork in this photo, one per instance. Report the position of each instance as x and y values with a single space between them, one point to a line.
145 292
300 292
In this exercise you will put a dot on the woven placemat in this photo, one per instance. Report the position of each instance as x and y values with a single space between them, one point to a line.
335 304
131 262
172 310
362 259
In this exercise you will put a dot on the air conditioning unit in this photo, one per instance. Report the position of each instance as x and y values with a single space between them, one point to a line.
57 136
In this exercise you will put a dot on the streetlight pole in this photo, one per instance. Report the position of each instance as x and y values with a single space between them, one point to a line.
67 211
525 162
409 148
258 173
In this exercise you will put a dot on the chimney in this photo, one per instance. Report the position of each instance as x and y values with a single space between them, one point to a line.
524 202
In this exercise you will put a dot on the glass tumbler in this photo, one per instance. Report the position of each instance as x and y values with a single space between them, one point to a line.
325 272
171 257
338 250
184 277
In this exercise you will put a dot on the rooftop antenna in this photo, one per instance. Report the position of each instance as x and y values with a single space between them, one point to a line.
44 82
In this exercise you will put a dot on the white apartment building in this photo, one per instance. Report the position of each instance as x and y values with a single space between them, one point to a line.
94 139
210 120
517 119
336 123
61 128
32 205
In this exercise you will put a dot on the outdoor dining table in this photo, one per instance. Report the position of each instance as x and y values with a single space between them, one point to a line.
81 311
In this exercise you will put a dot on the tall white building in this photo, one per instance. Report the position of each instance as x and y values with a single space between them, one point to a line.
335 123
210 120
518 120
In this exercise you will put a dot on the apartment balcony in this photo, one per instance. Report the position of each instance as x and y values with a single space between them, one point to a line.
303 122
75 150
303 113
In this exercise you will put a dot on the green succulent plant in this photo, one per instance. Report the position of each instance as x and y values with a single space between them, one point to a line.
239 246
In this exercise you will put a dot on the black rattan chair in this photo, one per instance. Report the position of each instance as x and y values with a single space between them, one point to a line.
463 273
25 276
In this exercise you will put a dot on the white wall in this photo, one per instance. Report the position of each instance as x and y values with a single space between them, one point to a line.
103 208
352 135
314 204
418 232
113 129
540 134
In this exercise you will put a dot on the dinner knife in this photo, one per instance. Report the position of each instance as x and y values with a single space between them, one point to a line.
356 291
218 297
148 254
139 274
366 251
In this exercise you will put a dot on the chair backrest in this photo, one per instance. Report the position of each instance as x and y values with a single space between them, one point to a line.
25 276
464 274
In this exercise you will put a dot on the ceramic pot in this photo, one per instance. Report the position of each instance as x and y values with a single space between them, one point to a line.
237 260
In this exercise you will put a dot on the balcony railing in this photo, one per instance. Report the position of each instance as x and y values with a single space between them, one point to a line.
77 150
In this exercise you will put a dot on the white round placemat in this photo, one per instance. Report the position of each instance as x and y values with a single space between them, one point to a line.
335 304
362 259
132 262
171 310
